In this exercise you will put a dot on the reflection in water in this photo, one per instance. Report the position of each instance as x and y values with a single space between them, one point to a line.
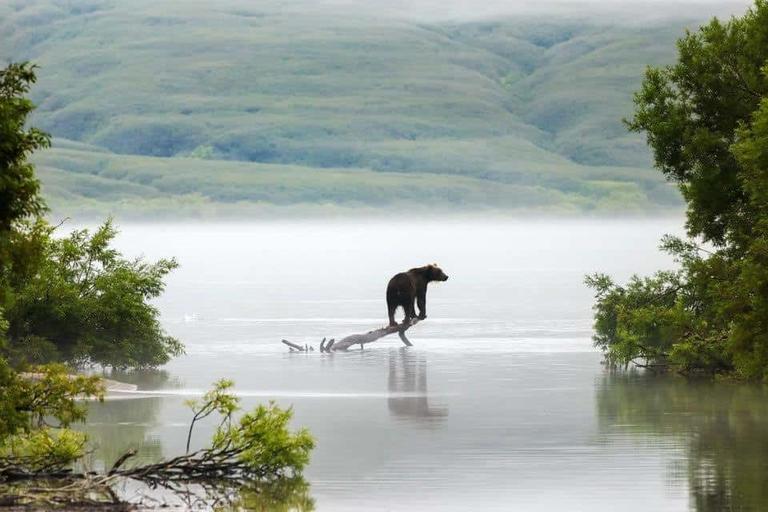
145 379
407 382
123 422
114 427
721 426
282 495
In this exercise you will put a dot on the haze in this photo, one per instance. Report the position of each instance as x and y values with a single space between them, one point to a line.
618 10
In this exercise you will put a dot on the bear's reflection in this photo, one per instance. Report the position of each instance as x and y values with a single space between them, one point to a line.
408 395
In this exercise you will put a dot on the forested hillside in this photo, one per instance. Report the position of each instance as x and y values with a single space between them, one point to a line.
185 106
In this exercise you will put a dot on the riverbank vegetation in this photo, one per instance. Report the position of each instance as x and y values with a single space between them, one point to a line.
706 120
37 445
74 299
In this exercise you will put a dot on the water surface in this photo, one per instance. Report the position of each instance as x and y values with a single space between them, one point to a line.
502 404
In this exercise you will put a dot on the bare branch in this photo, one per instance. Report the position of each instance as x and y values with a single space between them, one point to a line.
119 462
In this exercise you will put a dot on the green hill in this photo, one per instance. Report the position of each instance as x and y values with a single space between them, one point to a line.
183 106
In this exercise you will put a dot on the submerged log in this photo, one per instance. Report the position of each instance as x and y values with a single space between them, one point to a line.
358 339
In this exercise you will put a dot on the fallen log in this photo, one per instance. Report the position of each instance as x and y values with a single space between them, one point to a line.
371 336
358 339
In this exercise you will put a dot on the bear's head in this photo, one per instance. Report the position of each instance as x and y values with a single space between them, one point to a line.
435 273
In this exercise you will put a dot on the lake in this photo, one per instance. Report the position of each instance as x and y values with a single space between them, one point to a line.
501 404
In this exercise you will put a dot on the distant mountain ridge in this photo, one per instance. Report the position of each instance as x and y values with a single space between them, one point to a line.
231 104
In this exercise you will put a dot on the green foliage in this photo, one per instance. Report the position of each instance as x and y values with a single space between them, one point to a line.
749 279
12 417
43 449
217 400
518 113
706 118
29 403
281 495
265 443
260 439
640 320
691 111
19 188
164 187
31 400
663 320
83 302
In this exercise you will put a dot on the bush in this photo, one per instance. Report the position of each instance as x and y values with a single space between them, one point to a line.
77 299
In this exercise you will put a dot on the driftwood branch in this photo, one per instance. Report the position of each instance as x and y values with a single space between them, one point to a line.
371 336
299 348
357 339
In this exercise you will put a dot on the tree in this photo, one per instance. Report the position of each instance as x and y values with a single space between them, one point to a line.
691 112
706 120
73 298
19 188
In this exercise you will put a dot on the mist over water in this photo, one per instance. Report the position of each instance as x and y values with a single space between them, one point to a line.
502 404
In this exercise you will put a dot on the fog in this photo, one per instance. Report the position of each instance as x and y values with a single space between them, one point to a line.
635 11
462 10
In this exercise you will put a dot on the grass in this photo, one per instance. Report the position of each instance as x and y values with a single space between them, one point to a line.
234 103
95 182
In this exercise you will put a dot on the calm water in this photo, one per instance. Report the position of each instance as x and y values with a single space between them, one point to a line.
502 404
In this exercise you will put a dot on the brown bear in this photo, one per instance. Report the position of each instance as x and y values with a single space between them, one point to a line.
406 287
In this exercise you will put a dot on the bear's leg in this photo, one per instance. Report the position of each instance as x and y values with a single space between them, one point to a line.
410 312
421 300
391 310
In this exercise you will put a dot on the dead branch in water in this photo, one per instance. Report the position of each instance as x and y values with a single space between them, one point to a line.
299 348
358 339
210 464
208 468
